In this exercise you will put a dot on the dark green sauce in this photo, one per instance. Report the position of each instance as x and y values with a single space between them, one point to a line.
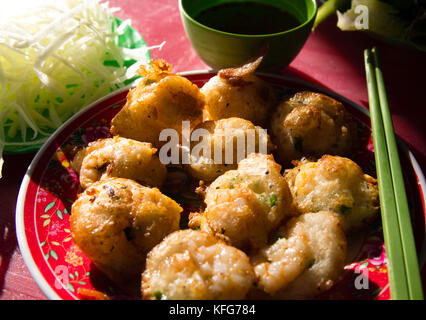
247 18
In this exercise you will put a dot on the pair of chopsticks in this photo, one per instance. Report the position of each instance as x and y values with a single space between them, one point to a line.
403 267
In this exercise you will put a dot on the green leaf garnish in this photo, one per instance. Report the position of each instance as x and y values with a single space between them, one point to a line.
158 295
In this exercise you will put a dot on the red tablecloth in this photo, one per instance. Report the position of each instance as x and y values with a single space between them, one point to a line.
330 58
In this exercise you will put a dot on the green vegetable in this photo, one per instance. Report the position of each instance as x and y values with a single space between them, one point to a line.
233 181
399 21
55 58
273 200
158 295
383 19
328 9
263 198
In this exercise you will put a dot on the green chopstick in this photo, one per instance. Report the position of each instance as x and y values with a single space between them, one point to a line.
396 267
404 275
407 237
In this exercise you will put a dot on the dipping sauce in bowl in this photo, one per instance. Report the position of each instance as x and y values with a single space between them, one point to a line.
230 33
247 18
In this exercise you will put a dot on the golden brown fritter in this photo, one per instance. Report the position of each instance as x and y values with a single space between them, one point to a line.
122 158
161 100
237 92
193 265
239 136
335 184
246 204
311 124
116 222
305 260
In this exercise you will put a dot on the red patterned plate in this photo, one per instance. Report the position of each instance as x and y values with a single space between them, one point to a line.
50 186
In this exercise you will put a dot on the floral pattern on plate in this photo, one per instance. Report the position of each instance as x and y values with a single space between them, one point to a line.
62 270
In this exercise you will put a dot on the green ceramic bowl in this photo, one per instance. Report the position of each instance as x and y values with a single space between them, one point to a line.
220 49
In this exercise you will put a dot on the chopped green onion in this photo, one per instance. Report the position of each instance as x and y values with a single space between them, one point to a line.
273 200
158 295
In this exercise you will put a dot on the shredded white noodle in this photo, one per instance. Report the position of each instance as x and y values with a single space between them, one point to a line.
55 58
